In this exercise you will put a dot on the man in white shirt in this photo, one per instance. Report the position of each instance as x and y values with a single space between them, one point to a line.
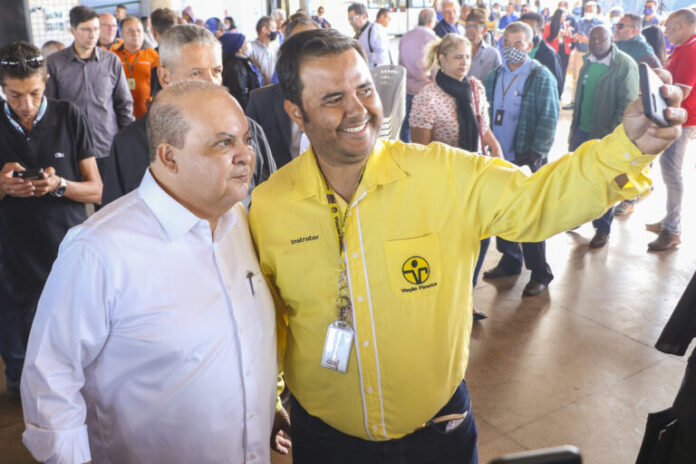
154 340
261 53
371 36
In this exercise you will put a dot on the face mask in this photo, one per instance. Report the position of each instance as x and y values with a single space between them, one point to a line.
513 55
589 16
577 11
615 19
535 40
273 35
648 11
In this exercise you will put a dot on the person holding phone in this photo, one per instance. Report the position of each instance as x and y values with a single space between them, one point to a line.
48 173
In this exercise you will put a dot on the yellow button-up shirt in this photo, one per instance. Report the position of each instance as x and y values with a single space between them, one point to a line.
411 242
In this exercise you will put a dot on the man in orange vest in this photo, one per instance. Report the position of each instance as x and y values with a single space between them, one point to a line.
137 63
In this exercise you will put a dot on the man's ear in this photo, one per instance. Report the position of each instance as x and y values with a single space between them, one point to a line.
295 113
163 76
167 157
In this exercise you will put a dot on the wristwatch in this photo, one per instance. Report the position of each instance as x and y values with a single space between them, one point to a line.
60 191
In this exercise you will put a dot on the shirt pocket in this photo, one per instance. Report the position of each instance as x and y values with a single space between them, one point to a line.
414 266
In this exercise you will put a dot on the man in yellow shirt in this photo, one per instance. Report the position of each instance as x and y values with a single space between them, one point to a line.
370 245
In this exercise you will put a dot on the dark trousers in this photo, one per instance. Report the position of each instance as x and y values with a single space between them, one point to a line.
405 129
603 223
16 316
314 441
533 254
483 249
565 59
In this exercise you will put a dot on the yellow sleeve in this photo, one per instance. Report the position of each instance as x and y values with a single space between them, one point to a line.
572 190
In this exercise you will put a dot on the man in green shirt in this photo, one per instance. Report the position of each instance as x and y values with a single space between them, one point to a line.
631 41
607 83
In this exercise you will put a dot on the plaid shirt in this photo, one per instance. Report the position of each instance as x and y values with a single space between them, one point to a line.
539 112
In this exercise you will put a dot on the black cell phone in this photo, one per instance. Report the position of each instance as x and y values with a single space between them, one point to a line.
654 105
558 455
29 174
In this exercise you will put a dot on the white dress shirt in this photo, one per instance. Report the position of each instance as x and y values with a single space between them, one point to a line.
154 342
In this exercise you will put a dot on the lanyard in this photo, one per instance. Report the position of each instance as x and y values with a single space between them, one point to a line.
128 65
37 118
505 89
343 303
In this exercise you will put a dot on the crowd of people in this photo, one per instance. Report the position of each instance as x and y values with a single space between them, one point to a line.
155 329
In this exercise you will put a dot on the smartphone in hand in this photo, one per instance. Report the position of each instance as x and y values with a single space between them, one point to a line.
29 174
654 105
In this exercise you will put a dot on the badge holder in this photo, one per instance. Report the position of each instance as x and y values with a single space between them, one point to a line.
339 341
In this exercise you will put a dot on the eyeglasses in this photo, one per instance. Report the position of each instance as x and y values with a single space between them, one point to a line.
33 63
620 26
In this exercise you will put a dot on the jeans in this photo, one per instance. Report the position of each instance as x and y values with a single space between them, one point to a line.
532 253
671 164
482 255
314 441
603 223
16 317
405 129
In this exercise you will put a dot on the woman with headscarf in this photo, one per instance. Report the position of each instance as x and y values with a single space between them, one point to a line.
238 73
453 110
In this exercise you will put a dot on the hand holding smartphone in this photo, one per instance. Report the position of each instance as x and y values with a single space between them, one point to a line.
654 105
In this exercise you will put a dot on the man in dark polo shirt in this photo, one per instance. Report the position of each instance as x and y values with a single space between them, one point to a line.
36 208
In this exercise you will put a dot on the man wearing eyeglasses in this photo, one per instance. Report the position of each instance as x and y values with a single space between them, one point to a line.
47 174
93 80
371 36
484 57
108 27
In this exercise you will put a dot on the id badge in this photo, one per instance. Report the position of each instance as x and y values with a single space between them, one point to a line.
131 83
339 340
498 118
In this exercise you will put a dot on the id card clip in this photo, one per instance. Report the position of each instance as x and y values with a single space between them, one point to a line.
339 340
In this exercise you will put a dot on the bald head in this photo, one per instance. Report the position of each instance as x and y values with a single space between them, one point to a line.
600 41
199 143
108 27
680 26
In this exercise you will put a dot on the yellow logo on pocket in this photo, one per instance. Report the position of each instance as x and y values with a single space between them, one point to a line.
416 270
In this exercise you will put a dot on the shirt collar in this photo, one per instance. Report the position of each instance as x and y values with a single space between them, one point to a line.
174 217
606 60
686 43
522 69
18 127
381 169
95 54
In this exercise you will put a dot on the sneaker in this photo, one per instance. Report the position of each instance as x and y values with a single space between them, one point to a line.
625 207
664 241
654 227
569 106
599 240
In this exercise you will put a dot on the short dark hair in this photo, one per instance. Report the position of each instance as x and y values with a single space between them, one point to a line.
536 17
309 44
636 20
299 20
80 14
162 19
231 20
357 8
382 11
121 6
264 21
15 58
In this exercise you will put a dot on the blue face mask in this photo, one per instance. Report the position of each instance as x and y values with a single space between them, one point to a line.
273 35
577 11
648 11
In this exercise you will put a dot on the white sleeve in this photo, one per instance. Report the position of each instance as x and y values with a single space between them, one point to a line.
69 331
380 44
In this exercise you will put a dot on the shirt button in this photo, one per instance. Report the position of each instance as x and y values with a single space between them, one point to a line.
374 427
248 373
635 163
252 456
366 343
360 298
356 256
369 390
251 415
627 156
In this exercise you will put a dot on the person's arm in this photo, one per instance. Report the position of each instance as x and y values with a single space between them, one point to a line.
52 81
548 109
265 164
422 119
490 141
577 187
628 91
89 190
122 98
651 60
68 333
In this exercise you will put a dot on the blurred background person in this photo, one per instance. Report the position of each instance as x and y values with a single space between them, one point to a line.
50 47
108 29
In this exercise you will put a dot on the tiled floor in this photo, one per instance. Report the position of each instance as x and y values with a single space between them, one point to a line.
575 365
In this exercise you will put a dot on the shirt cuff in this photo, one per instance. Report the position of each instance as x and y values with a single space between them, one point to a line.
58 446
622 155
